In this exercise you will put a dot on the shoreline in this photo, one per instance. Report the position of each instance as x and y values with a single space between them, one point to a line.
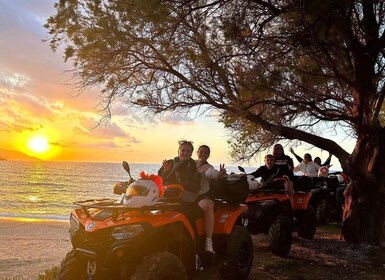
27 219
31 245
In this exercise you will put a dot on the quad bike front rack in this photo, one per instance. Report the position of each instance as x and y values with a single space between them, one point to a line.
118 208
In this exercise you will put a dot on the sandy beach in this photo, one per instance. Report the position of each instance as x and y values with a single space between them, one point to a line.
28 246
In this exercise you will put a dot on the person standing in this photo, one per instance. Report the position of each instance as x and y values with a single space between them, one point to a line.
316 159
308 167
281 158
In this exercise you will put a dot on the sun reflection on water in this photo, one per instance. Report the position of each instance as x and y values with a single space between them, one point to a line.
33 198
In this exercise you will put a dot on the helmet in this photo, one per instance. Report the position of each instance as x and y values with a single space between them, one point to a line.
144 192
341 178
323 171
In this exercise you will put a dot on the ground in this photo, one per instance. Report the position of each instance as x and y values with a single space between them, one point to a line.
29 249
324 257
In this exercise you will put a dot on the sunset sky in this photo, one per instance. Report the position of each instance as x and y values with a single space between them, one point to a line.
37 100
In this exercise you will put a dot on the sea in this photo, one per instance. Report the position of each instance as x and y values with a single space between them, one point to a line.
47 189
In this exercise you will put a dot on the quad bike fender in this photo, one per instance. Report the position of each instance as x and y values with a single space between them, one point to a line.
315 191
266 196
227 217
154 218
84 255
301 200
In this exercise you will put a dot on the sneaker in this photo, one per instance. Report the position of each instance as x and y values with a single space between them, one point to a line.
208 247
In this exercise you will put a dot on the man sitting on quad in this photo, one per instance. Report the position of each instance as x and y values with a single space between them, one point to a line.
183 170
270 171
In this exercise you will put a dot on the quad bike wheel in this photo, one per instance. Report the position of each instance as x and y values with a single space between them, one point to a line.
238 256
71 269
323 212
160 266
308 223
280 235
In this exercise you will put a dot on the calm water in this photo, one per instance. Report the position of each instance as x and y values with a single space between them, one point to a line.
47 189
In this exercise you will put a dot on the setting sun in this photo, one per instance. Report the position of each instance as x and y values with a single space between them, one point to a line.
38 144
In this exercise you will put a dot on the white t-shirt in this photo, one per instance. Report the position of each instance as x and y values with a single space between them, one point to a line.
308 169
207 172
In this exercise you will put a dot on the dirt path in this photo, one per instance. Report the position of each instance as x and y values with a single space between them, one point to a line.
29 248
325 257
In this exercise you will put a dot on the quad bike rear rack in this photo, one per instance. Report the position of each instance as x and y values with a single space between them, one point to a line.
279 191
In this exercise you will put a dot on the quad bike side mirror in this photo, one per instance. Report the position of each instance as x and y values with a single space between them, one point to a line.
127 168
240 168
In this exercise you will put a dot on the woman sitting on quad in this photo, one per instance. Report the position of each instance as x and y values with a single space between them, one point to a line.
182 170
207 194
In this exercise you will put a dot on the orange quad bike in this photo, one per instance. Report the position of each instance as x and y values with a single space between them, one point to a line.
112 240
305 218
277 213
270 212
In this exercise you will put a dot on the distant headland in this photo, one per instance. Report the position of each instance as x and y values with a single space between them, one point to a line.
15 155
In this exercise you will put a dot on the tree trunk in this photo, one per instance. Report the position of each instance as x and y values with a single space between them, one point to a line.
365 220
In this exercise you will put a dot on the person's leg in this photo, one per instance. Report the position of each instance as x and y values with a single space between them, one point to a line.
207 206
289 188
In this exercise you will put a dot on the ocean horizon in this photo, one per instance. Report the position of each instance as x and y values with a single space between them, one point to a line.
47 189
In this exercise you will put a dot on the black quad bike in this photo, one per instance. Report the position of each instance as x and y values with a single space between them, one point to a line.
111 241
339 182
327 196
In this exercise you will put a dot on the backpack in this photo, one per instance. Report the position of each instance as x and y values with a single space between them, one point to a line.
235 188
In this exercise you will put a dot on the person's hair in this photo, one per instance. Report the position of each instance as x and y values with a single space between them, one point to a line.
185 142
278 146
269 156
317 158
307 155
204 146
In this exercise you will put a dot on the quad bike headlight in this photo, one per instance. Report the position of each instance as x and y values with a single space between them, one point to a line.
267 203
129 231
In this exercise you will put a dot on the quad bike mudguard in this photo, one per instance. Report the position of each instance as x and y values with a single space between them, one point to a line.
227 216
301 200
264 207
155 218
270 212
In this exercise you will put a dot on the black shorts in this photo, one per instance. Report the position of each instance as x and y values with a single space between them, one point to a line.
211 194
